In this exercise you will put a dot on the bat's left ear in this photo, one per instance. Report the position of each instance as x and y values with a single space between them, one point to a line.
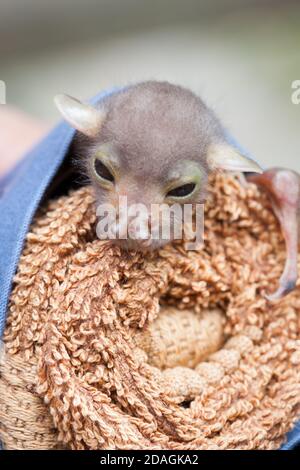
83 117
223 156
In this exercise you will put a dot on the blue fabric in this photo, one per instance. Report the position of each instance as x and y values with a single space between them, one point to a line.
20 194
293 438
21 191
20 198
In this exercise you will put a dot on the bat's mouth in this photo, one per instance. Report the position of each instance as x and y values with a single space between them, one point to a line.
141 245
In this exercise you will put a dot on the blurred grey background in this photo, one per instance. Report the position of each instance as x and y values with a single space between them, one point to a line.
241 56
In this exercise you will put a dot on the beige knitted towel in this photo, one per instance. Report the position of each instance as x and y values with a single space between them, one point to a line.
173 350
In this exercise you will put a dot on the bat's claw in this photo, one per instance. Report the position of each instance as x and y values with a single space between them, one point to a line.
285 287
283 186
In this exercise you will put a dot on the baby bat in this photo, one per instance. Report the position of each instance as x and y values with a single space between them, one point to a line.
157 143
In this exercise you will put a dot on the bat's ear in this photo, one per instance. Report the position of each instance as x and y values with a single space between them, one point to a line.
223 156
83 117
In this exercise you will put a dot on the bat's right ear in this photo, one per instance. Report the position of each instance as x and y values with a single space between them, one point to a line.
83 117
223 156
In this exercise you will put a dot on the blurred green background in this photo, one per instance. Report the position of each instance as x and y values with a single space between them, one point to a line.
241 56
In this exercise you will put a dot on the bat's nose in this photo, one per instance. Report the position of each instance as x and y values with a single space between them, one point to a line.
139 229
131 227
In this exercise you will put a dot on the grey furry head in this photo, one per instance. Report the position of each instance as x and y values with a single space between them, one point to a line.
148 140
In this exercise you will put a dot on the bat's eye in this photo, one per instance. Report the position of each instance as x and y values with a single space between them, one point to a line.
182 191
102 171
